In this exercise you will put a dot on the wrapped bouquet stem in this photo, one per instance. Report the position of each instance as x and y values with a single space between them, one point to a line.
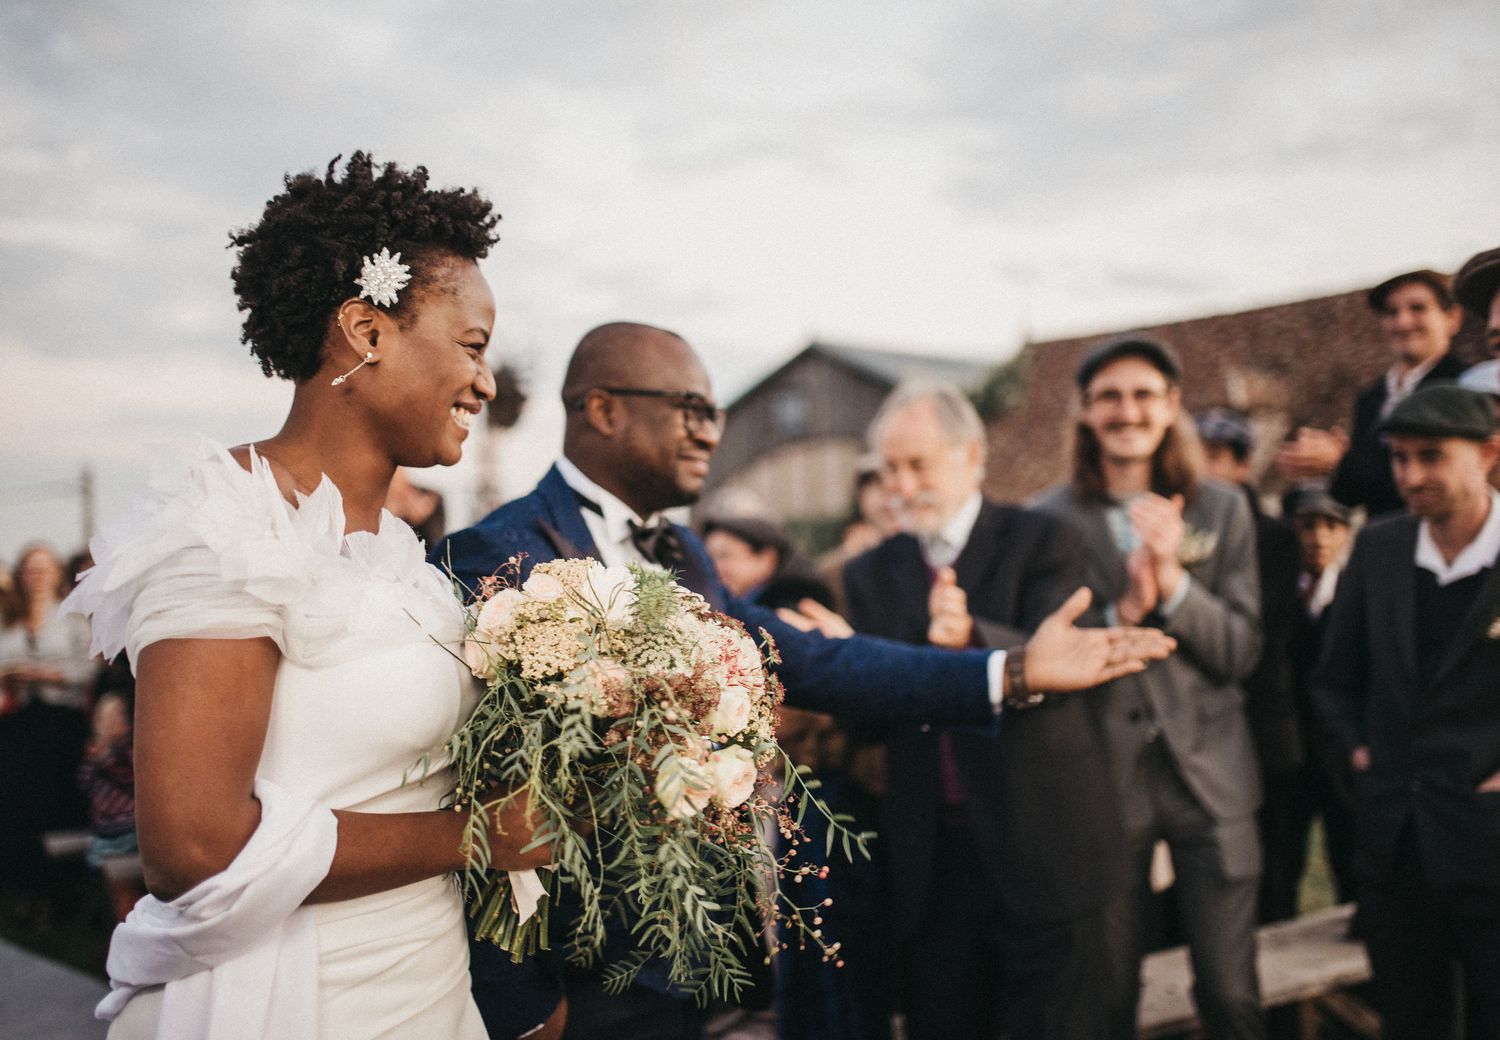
638 725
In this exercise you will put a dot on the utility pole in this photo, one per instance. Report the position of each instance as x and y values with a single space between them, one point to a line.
86 502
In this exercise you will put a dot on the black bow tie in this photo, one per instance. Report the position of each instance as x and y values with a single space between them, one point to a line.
658 542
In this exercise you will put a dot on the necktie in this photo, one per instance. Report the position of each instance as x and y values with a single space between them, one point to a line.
658 543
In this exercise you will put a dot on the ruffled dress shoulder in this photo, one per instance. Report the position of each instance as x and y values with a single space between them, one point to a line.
214 551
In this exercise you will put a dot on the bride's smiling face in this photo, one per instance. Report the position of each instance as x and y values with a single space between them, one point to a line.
433 373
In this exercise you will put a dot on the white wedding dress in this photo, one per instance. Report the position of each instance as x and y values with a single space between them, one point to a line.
366 687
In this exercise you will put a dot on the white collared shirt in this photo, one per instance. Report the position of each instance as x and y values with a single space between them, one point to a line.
942 549
610 527
1317 593
1473 558
1399 383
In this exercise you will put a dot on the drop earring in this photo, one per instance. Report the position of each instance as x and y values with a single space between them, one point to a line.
369 357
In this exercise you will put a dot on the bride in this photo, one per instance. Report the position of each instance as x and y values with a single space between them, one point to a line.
290 645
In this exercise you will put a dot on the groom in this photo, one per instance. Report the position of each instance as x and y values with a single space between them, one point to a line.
641 429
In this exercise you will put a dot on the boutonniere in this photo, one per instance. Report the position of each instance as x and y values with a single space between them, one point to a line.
1197 546
1493 632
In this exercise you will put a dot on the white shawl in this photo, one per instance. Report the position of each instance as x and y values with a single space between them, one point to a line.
239 952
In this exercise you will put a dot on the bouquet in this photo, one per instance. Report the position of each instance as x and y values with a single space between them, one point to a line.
639 725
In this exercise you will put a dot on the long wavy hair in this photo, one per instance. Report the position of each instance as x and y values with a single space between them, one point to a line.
1176 466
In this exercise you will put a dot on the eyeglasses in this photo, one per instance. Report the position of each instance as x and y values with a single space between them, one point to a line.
698 412
1114 398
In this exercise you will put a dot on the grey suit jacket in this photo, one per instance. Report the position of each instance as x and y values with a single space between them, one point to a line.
1194 696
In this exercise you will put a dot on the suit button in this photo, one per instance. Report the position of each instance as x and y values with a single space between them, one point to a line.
1136 715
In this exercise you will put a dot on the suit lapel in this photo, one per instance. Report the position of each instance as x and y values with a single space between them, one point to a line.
1108 559
1481 614
978 556
563 527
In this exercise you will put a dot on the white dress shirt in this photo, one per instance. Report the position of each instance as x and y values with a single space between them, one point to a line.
1473 558
1400 382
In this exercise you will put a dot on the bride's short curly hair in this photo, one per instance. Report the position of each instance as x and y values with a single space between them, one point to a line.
298 264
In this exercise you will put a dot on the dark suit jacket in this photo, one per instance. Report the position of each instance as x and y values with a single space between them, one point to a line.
1194 695
1431 744
1270 690
861 678
1364 478
1039 800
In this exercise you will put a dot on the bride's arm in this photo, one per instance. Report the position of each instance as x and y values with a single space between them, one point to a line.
202 709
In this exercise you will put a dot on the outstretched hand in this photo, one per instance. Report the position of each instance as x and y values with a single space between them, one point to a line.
1062 657
812 616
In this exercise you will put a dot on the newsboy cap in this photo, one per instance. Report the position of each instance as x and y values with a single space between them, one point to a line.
1442 410
1477 280
1318 502
1226 426
1160 356
1438 282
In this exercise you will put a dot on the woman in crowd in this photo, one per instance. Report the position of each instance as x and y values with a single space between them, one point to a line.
292 648
48 677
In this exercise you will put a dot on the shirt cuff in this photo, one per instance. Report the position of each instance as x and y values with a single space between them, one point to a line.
1112 615
1169 608
995 671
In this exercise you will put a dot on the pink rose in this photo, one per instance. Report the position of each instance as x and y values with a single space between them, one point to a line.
478 657
683 786
732 771
732 713
543 587
498 610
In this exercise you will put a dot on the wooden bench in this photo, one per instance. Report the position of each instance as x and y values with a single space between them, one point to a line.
1307 961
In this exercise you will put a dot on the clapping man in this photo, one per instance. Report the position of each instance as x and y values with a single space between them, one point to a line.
1419 319
1164 547
1003 847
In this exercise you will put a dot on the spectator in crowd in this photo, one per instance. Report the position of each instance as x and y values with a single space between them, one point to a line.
1003 848
1166 548
758 563
1419 318
107 778
873 522
1477 287
1407 683
48 676
421 508
1270 703
1324 532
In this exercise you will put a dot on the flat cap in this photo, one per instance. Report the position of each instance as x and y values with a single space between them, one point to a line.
1438 282
1442 410
1477 280
1318 502
1226 426
1162 357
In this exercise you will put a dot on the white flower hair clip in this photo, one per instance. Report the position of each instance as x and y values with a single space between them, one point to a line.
382 277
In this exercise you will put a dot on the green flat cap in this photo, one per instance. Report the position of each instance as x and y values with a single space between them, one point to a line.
1442 410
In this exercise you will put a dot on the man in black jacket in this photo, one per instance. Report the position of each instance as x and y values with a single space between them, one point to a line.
1002 848
1419 318
1408 685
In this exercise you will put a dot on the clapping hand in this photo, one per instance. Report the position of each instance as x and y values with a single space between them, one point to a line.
1159 525
951 623
1062 657
1312 455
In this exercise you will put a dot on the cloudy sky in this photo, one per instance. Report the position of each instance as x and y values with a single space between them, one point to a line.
948 176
